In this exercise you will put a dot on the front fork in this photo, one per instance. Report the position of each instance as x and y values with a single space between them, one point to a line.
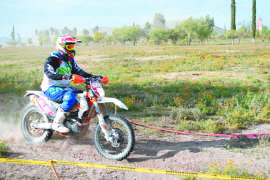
102 122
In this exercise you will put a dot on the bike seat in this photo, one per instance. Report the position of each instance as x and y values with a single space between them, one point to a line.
77 91
74 90
59 101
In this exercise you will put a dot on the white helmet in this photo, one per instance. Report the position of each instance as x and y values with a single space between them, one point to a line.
65 44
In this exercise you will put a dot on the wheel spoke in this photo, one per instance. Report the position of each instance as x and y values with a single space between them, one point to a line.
121 141
31 119
120 144
31 116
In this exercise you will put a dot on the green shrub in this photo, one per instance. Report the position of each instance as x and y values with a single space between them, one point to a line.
3 149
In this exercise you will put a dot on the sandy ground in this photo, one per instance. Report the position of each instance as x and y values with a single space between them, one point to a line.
173 152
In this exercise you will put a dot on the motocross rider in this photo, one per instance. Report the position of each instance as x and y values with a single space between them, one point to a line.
58 70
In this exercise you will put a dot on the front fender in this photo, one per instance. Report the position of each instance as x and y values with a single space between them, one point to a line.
112 100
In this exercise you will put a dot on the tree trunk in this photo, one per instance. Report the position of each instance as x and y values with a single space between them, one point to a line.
253 20
233 26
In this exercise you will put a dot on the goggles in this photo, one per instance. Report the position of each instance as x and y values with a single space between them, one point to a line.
70 47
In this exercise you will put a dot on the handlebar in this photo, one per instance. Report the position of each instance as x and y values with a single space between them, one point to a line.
79 79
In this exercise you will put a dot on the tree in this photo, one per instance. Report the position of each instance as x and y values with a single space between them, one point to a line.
253 20
86 39
265 32
159 35
173 35
52 31
13 33
127 33
147 26
205 27
107 39
85 32
159 21
233 26
95 29
44 38
118 35
146 30
242 32
202 31
190 27
179 29
66 30
210 23
132 33
98 36
74 32
30 41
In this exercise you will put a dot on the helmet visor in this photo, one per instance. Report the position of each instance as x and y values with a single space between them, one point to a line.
70 47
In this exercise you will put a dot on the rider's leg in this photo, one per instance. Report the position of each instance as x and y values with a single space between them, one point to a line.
69 100
59 120
55 93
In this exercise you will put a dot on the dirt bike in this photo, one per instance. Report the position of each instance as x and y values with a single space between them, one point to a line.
113 136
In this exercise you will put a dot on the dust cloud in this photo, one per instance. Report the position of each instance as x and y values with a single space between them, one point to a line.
10 130
11 110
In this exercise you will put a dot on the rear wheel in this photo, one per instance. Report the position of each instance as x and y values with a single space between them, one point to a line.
31 116
123 138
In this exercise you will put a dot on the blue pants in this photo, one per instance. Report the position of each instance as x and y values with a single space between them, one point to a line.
62 94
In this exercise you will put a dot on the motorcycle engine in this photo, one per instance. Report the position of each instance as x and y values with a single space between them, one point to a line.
74 128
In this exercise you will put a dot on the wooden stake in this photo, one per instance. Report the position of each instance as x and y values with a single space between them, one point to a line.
55 172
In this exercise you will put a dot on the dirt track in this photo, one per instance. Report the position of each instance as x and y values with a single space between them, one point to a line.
174 152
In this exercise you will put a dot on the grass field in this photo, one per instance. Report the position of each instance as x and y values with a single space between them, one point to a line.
202 88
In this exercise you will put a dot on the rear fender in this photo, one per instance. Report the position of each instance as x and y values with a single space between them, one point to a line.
37 93
40 100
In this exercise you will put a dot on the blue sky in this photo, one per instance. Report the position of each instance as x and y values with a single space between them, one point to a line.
28 15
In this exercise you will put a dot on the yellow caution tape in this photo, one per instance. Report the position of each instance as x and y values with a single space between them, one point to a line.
125 168
23 161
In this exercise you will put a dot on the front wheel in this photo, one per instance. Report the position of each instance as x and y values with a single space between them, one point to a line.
123 141
31 116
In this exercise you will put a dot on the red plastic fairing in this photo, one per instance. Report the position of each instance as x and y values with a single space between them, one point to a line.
77 79
105 80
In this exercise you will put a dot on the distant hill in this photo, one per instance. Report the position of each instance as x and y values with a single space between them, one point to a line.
219 30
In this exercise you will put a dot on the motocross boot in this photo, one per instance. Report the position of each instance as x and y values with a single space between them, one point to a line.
58 121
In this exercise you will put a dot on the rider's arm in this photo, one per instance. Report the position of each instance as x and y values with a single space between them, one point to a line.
50 66
77 70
